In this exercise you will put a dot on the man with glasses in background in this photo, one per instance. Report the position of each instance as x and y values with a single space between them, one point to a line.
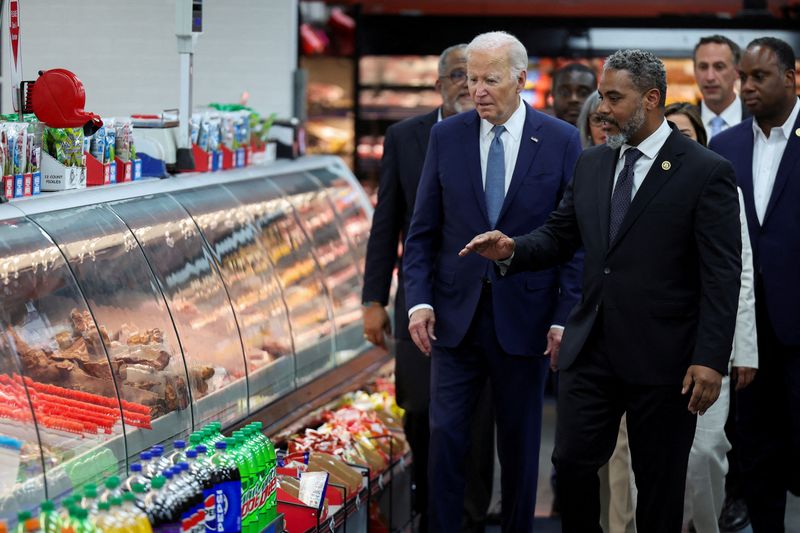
404 150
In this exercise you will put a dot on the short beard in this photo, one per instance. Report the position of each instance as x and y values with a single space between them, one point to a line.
626 132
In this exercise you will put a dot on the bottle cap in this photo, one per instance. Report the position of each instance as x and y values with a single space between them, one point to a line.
3 527
195 438
138 488
103 506
112 482
179 444
23 515
156 451
183 465
136 467
201 449
191 454
129 497
231 442
168 473
32 524
145 456
221 445
116 501
80 513
91 486
48 506
158 482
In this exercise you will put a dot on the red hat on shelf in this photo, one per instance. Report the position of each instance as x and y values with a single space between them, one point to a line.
57 98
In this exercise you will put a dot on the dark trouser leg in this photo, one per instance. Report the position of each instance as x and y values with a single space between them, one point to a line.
458 375
479 465
764 428
590 405
660 434
412 373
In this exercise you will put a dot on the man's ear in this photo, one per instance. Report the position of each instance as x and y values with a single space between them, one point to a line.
652 98
790 78
438 86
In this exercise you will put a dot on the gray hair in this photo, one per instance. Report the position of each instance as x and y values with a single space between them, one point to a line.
646 70
491 41
590 105
445 54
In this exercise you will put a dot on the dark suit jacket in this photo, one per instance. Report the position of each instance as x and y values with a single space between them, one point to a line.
776 245
404 148
667 288
451 209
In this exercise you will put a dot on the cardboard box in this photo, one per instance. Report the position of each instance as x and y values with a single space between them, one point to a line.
57 177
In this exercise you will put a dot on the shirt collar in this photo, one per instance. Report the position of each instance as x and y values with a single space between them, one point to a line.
652 145
439 115
786 128
513 125
732 114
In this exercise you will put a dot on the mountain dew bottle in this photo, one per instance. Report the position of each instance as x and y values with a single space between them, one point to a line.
49 520
271 464
247 466
260 453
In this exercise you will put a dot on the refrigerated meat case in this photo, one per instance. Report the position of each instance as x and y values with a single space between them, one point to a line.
133 315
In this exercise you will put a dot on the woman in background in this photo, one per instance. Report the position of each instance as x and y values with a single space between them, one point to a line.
590 123
685 116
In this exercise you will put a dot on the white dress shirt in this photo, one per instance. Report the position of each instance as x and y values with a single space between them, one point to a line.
745 338
510 139
649 148
732 115
767 155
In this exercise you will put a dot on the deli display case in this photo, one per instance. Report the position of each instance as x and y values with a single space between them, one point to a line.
133 315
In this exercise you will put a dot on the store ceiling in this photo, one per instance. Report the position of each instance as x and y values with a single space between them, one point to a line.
578 8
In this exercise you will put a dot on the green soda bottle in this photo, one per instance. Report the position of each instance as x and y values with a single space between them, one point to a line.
89 500
239 455
80 521
272 472
22 517
49 520
262 474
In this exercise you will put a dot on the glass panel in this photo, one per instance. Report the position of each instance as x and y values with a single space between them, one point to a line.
134 323
252 287
291 252
197 301
334 254
350 203
53 337
21 467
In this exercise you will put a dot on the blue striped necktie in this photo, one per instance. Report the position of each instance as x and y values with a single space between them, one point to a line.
495 176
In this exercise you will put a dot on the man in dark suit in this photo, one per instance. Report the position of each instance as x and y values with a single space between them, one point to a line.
765 152
715 58
658 217
404 150
504 165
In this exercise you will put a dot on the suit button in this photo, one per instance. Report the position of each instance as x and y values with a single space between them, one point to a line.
596 308
606 270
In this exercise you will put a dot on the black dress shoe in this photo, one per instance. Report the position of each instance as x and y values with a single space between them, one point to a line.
734 516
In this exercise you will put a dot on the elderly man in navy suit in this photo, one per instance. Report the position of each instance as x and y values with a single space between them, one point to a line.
504 166
765 152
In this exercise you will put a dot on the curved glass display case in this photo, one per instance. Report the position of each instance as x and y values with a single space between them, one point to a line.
133 315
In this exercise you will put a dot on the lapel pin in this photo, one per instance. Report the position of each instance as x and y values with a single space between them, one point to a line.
536 139
666 165
797 132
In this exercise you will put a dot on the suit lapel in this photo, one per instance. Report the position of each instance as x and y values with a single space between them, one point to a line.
790 159
527 153
472 160
658 175
742 160
605 183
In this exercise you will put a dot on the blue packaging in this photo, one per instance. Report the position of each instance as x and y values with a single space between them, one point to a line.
217 160
137 169
229 506
19 185
239 157
37 183
112 172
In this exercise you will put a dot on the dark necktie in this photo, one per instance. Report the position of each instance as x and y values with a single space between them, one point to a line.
495 187
621 199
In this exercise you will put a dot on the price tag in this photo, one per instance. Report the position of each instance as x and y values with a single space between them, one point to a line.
313 486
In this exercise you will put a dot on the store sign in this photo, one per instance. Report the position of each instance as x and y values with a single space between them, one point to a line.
16 51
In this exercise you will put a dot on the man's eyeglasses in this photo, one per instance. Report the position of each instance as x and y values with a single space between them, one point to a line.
457 76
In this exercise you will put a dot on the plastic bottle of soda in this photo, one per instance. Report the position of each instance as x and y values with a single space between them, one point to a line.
137 476
153 467
103 520
201 472
139 521
241 456
159 507
191 492
228 490
263 474
177 455
89 500
272 472
66 504
49 519
113 489
21 518
144 460
206 472
139 494
80 521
